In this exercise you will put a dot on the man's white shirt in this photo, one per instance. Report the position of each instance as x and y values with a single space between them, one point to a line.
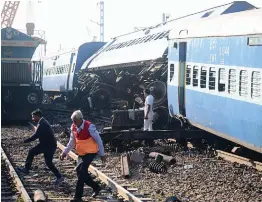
149 101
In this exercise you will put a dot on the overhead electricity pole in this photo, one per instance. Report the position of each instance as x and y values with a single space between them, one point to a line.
101 23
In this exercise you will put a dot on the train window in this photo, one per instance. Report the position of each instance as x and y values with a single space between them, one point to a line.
221 80
125 44
149 38
163 35
166 34
117 46
171 72
130 42
160 36
212 78
232 81
136 41
256 85
110 48
243 83
203 77
188 75
195 76
142 40
146 39
120 45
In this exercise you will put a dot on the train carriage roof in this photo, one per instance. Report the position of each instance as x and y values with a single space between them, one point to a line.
235 24
151 43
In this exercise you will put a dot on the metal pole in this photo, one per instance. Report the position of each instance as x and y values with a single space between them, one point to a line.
101 21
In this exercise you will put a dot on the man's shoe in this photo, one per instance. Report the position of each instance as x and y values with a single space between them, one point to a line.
76 200
96 192
23 170
58 180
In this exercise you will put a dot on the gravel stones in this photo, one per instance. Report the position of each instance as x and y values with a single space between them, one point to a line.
205 179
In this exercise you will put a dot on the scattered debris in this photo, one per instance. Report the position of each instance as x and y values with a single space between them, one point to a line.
40 196
136 156
169 159
157 167
125 166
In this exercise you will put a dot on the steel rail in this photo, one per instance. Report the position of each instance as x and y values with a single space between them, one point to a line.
19 185
125 194
239 159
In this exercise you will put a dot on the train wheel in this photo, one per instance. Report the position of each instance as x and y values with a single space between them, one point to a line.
159 92
32 98
101 98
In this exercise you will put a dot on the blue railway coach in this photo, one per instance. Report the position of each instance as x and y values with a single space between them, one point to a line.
60 70
214 76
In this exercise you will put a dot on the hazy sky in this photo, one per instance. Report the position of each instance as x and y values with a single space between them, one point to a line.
67 22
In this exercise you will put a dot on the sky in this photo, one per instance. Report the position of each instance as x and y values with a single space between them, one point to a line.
68 22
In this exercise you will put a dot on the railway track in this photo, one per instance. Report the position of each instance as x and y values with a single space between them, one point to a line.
212 177
240 160
40 177
12 188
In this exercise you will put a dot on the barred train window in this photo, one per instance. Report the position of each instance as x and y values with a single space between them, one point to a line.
195 76
243 83
232 81
221 80
188 75
212 78
203 77
171 72
255 85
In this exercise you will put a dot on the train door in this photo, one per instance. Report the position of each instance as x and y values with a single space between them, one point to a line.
70 71
182 76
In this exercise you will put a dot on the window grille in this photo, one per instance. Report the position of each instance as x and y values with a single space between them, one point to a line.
222 80
232 82
188 75
243 83
256 85
203 78
171 72
195 76
212 79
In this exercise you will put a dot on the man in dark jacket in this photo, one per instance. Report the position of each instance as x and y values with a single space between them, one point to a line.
47 145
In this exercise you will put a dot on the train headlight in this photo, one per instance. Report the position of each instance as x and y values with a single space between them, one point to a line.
32 98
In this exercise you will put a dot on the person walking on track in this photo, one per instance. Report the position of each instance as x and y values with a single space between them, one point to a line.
47 145
88 143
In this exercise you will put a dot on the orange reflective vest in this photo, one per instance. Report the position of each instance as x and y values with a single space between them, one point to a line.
85 143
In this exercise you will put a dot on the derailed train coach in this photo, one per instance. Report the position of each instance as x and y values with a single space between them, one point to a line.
60 72
114 78
215 76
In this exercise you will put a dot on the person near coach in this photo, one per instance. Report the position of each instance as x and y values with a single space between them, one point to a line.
88 143
148 110
47 145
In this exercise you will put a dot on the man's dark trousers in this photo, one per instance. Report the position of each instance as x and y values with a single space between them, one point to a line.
83 176
48 155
